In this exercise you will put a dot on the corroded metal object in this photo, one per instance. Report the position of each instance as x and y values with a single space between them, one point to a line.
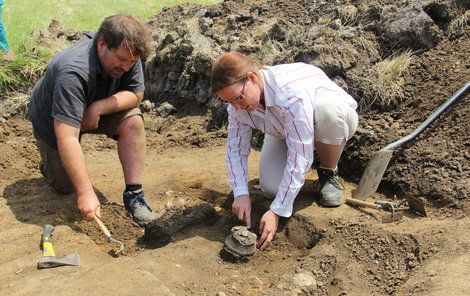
241 242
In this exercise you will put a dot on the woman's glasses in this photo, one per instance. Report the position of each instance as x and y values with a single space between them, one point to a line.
238 99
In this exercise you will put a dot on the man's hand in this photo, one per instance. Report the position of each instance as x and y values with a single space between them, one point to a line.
267 228
89 205
241 208
91 118
73 160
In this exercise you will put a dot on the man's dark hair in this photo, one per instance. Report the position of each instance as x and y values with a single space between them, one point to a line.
125 29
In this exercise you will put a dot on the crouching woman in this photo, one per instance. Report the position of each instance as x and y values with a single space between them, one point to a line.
299 109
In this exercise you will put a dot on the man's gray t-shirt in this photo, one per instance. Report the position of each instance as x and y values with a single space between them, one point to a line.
73 80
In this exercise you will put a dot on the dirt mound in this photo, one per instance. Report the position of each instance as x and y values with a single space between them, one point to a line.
437 164
355 43
116 218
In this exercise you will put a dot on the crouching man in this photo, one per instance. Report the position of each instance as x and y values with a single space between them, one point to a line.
94 86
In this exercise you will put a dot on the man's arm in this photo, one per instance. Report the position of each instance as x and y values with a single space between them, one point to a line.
120 101
73 161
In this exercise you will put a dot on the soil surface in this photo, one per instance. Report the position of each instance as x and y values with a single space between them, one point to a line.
342 251
437 164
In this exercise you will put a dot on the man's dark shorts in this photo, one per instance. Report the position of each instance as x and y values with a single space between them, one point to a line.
51 166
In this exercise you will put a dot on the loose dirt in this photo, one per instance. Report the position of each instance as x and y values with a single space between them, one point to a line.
316 252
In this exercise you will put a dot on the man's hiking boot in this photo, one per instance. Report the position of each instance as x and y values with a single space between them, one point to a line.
329 187
134 202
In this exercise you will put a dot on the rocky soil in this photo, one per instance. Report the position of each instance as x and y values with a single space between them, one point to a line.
347 39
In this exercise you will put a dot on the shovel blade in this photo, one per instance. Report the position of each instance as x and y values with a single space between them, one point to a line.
416 205
49 261
373 174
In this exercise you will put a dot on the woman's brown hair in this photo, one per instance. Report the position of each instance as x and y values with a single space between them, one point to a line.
232 67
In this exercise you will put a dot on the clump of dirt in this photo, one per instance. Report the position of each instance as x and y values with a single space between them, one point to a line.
175 216
120 225
384 260
56 36
241 242
390 258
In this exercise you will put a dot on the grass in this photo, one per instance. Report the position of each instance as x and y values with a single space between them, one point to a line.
384 86
270 50
347 15
390 70
21 18
457 26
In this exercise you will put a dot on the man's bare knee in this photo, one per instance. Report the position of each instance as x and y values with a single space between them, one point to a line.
132 124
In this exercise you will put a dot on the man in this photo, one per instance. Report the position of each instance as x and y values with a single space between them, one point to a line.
94 86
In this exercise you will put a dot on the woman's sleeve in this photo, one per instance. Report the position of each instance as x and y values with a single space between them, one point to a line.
238 149
300 145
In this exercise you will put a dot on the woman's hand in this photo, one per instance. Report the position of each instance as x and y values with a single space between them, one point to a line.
241 208
267 228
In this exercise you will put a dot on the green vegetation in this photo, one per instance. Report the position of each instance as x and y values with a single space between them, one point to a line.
384 85
21 18
390 71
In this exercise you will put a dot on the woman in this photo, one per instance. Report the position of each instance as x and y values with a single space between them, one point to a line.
299 109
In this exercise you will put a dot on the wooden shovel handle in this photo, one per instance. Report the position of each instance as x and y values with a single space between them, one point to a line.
102 226
357 202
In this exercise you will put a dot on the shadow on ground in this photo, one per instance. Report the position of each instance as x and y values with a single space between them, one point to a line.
207 213
33 201
197 212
